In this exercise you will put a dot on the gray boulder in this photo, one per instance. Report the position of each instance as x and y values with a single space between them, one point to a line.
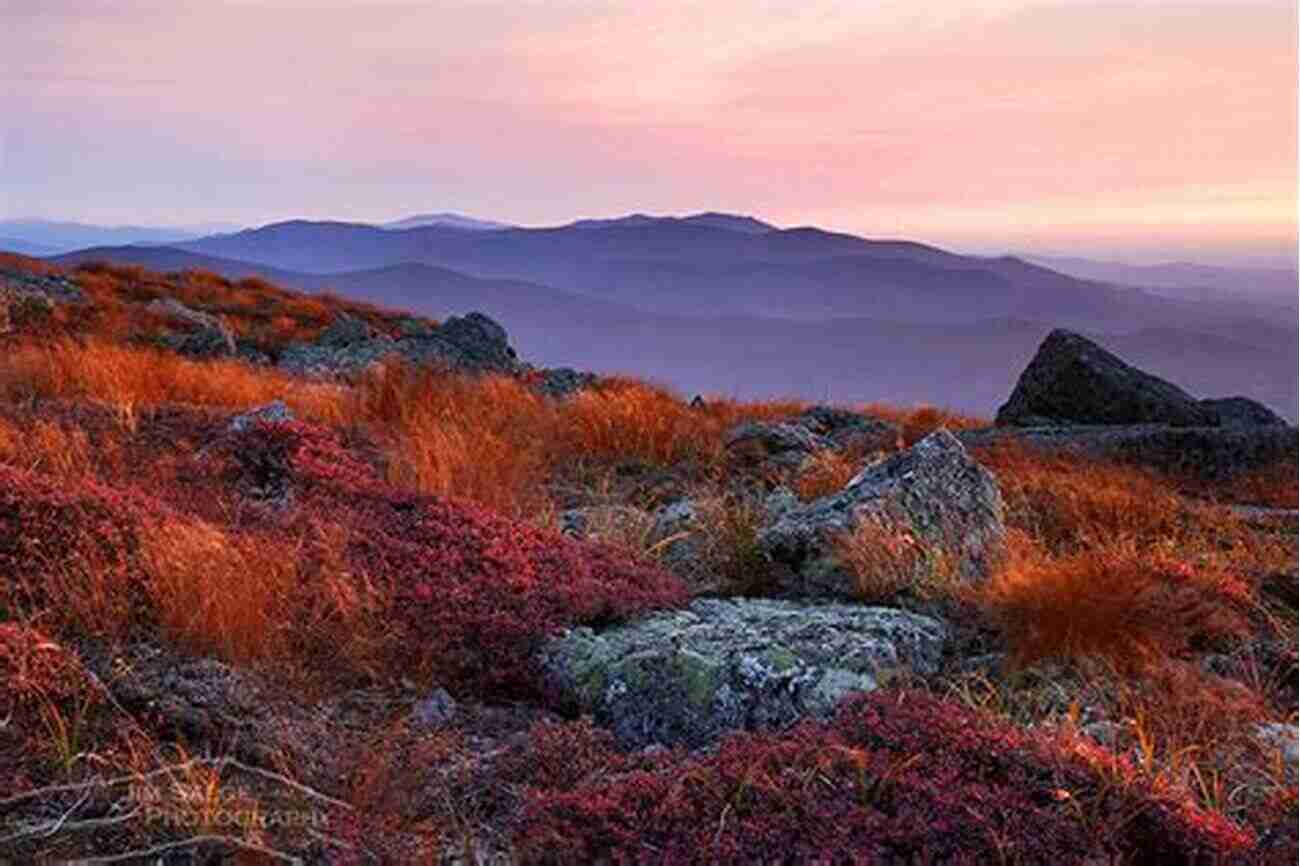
349 346
209 337
472 342
275 412
1072 380
686 677
1210 453
846 429
434 711
560 382
677 536
347 330
27 298
603 522
933 490
783 444
1286 740
1243 412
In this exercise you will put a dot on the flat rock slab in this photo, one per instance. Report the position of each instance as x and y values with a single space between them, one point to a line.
686 677
1204 452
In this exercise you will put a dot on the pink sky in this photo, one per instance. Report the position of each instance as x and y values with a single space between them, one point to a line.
988 124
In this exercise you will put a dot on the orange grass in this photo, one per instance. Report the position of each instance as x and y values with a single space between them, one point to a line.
1067 503
130 379
920 421
1116 600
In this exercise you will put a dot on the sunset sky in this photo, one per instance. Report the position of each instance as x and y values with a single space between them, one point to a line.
1136 128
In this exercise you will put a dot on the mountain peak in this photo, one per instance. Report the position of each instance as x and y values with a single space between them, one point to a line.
445 219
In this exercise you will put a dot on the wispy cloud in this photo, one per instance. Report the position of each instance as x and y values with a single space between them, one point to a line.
989 116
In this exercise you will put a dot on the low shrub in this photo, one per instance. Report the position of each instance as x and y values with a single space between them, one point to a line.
897 777
72 550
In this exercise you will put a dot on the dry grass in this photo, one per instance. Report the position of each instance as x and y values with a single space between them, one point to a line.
828 471
920 421
888 562
219 594
1115 600
46 446
483 439
132 379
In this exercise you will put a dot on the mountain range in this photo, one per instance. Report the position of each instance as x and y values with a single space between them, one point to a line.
718 303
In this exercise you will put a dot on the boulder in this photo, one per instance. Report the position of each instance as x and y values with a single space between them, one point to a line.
846 429
601 522
677 535
347 330
1209 453
1285 740
209 337
1242 412
560 382
1072 380
472 342
275 412
783 444
686 677
434 711
934 491
349 345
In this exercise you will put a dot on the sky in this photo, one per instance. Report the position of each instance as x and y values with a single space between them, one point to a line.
1134 129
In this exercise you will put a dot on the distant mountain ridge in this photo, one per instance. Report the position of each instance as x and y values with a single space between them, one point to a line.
968 364
717 264
712 219
47 237
446 220
1187 279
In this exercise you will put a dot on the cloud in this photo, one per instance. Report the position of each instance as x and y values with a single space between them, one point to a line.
931 115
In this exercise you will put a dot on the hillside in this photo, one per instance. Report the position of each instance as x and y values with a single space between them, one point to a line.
292 577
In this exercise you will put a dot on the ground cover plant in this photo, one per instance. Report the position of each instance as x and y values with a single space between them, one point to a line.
255 620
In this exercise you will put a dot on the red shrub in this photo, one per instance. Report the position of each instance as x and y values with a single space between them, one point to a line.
70 546
898 777
472 592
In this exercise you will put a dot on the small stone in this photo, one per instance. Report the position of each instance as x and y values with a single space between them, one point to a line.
435 710
276 412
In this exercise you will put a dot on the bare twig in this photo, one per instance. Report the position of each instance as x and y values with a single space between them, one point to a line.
215 763
194 840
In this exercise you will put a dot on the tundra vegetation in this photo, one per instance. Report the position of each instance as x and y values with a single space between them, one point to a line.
315 634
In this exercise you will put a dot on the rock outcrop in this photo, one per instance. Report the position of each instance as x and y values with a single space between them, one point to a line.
27 297
934 491
560 382
1074 395
854 430
349 345
1242 412
1209 453
787 444
1072 380
275 412
206 335
686 677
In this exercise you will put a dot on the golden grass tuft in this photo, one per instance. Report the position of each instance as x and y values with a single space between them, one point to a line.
45 447
130 379
217 593
888 561
920 421
1116 600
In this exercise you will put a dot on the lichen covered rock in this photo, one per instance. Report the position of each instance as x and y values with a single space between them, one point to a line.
686 677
